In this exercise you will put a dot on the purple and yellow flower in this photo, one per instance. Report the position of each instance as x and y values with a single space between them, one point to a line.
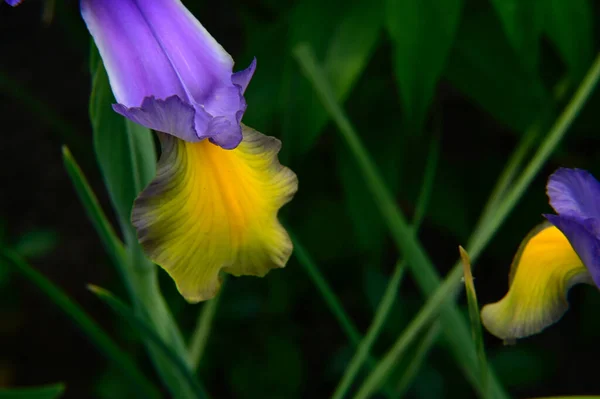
213 204
552 258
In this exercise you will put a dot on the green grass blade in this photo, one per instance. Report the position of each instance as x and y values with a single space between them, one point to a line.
96 335
417 360
111 242
364 348
202 330
421 267
46 392
552 139
148 333
391 291
330 297
438 302
142 284
475 320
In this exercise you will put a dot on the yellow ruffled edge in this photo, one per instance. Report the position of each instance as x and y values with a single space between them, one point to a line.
210 209
544 269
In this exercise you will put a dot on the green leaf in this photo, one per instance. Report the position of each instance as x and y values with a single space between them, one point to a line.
475 320
142 285
420 265
346 54
569 26
485 67
522 22
47 392
112 244
36 243
423 32
125 151
141 385
148 333
417 360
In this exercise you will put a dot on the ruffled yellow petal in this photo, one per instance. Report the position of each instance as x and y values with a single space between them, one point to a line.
210 209
542 272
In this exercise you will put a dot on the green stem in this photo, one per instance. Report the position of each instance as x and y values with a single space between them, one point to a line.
330 297
544 151
202 330
417 359
92 330
421 267
437 303
391 291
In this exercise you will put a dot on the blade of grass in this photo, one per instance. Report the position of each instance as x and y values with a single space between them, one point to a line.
421 267
552 139
107 347
146 332
438 303
417 359
391 291
474 316
202 330
330 297
141 282
45 392
112 244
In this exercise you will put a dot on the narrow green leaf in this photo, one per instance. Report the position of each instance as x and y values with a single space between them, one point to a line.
141 385
328 294
109 238
475 320
202 331
417 360
46 392
421 267
441 300
391 292
423 32
124 150
485 67
522 21
148 333
36 243
354 29
569 25
141 282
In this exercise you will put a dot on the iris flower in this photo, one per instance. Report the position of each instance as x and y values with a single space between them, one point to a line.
213 204
554 257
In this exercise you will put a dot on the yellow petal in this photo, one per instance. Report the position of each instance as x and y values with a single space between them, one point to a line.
543 270
210 209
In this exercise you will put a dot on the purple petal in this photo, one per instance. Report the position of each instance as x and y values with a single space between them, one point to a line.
574 192
172 116
582 234
13 3
225 133
136 64
242 78
201 63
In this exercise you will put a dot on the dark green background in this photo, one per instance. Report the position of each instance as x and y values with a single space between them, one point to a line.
408 72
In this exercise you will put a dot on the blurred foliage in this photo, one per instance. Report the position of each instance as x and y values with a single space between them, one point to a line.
473 74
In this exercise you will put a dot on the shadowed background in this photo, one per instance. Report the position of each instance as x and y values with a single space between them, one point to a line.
476 91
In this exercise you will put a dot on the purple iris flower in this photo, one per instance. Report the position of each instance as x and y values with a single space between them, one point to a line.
575 196
166 71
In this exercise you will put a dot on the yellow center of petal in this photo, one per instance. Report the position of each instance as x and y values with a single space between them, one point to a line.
211 209
542 272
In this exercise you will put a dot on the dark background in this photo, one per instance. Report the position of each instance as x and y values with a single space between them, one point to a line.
275 337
